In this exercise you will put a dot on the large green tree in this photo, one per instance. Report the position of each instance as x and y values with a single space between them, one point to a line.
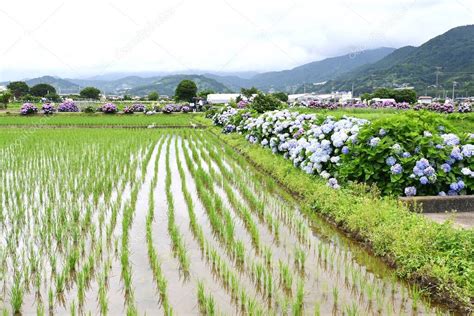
42 89
5 97
153 96
263 103
186 90
18 88
205 92
90 93
248 92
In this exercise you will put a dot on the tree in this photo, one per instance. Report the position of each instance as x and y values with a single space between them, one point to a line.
5 97
52 97
205 92
406 95
282 96
248 92
18 88
153 96
186 90
90 93
42 89
262 103
365 96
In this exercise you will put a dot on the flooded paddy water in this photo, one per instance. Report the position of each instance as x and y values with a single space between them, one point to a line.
172 222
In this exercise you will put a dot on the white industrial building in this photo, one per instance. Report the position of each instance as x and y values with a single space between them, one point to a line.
219 98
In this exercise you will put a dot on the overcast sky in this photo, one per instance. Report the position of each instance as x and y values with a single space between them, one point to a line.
93 37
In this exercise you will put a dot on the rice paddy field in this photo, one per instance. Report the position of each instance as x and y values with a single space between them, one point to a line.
170 222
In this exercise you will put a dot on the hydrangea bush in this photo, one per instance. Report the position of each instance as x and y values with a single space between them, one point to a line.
48 108
109 108
138 107
68 106
28 108
129 109
413 153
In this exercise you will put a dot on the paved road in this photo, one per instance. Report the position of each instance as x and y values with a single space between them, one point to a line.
460 219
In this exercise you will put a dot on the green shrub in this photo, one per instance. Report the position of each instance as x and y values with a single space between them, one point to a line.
263 103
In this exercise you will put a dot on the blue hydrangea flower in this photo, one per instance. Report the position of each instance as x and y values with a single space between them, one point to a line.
397 148
391 161
410 191
374 141
427 134
429 171
454 186
446 167
456 153
450 139
442 193
406 154
345 150
461 184
424 180
396 169
382 132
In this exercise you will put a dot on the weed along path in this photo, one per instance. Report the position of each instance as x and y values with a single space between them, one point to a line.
171 222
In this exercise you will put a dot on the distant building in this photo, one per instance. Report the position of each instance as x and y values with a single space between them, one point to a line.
425 100
217 98
338 96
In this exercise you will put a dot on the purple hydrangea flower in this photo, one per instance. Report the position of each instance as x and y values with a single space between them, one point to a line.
109 108
138 107
28 108
48 108
345 150
68 106
406 154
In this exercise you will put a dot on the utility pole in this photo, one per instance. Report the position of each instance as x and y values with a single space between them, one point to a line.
438 72
454 84
352 90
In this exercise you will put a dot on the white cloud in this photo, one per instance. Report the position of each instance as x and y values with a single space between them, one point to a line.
77 38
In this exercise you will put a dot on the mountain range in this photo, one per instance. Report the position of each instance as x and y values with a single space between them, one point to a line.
431 67
448 57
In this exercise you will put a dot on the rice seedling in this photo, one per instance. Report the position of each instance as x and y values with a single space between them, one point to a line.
286 277
298 305
335 295
17 294
300 258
